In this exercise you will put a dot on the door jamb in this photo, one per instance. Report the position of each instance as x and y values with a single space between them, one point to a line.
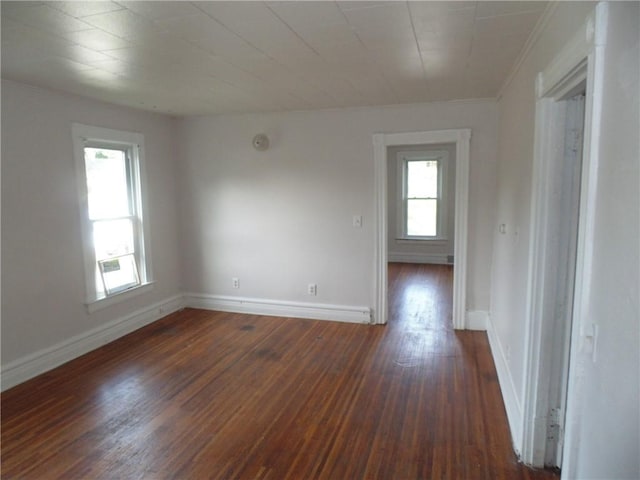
461 138
582 58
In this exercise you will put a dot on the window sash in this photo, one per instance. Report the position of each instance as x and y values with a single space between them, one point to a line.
425 225
115 278
406 198
132 248
420 180
98 185
103 287
136 241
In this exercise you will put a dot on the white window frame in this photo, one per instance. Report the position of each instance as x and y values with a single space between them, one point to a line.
403 158
133 143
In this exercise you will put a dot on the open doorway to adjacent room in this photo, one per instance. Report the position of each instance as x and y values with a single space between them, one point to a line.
420 233
554 259
421 197
560 341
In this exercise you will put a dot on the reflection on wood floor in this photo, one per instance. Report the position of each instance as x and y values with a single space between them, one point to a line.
203 394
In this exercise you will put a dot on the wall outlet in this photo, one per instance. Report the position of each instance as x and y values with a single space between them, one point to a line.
312 289
235 282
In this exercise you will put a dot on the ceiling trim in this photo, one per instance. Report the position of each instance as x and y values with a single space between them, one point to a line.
533 38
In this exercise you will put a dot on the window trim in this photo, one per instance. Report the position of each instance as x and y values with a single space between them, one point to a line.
90 136
402 159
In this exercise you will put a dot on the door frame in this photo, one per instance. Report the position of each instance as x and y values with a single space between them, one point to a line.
582 59
461 138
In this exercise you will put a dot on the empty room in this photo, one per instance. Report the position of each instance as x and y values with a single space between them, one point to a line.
318 239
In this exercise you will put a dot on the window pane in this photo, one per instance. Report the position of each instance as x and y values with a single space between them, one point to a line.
113 238
107 183
422 179
119 273
422 218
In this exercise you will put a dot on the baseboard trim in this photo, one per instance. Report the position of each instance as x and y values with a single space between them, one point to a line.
401 257
29 366
507 386
257 306
477 320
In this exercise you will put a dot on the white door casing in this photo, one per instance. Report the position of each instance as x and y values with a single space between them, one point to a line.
580 61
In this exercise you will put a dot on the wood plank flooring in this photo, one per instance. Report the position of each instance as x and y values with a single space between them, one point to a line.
201 395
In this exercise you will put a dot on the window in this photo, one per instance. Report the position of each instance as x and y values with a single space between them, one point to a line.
109 166
422 204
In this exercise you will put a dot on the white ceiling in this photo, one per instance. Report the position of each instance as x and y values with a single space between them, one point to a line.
218 57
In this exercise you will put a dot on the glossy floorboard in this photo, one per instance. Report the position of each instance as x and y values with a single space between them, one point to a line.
203 394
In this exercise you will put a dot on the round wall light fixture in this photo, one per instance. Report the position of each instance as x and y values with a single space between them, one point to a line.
260 142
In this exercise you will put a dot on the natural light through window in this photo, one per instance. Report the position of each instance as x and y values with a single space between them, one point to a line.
112 214
422 206
422 198
109 166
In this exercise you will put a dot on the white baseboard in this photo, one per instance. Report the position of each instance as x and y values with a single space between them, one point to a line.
257 306
29 366
402 257
507 386
477 320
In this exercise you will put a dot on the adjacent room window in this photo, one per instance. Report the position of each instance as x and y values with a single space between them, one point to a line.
423 204
109 165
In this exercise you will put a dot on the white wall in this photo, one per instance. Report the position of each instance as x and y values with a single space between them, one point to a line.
42 262
609 443
609 436
435 251
282 218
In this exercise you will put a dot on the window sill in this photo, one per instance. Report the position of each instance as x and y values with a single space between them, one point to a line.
104 302
422 240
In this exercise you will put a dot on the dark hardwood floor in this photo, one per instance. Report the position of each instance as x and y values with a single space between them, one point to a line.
204 394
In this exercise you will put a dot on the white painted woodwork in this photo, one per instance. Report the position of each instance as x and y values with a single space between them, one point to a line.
80 135
567 71
28 366
278 308
461 138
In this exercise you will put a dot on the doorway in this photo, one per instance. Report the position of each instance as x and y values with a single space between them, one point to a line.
564 181
421 226
554 257
420 304
461 139
561 280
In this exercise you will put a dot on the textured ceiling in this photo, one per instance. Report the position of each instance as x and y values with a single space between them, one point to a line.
219 57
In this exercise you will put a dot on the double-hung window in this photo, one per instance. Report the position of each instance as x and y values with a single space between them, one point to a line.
109 166
422 187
